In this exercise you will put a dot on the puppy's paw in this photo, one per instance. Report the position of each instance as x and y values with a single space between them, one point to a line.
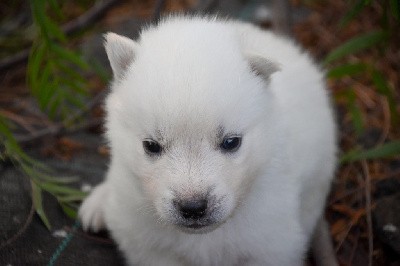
91 212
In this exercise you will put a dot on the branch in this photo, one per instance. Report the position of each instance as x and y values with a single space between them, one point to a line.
90 16
59 128
74 25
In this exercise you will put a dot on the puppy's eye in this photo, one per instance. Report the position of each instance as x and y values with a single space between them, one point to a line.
152 147
231 144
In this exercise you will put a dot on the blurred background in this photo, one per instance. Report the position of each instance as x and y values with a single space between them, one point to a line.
53 79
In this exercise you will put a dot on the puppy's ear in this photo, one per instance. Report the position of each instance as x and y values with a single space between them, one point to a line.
262 66
120 51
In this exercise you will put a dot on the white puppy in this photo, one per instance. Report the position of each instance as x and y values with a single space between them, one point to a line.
222 147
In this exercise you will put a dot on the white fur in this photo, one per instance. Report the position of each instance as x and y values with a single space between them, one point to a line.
188 77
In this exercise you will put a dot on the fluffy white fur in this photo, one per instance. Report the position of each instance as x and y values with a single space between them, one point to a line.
187 83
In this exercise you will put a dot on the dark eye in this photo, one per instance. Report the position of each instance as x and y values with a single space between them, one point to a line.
231 144
152 147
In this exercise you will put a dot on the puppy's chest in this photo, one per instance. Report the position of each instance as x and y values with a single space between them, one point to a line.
216 258
218 250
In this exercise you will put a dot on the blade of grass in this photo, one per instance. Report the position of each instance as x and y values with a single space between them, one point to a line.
387 150
5 130
69 71
26 159
356 44
383 88
70 56
355 112
395 8
54 104
38 204
35 60
100 71
71 198
58 189
58 180
354 11
56 8
346 70
56 32
68 210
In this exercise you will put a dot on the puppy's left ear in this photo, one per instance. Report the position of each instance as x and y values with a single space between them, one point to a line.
120 51
262 66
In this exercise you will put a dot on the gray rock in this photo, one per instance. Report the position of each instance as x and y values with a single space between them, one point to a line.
387 221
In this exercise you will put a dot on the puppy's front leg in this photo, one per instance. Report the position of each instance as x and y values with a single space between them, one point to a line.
91 212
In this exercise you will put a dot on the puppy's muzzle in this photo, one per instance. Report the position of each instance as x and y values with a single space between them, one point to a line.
197 214
194 209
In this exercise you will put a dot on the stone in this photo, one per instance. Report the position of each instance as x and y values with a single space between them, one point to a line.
386 217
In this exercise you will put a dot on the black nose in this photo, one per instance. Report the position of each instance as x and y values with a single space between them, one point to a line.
193 209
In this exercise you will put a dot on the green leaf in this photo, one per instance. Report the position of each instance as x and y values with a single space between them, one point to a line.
70 72
75 87
346 70
29 171
56 8
44 84
355 112
38 13
68 210
100 71
76 101
356 44
5 131
34 67
47 93
61 190
383 88
395 8
54 105
14 150
70 56
56 32
26 159
38 204
71 198
43 177
387 150
354 11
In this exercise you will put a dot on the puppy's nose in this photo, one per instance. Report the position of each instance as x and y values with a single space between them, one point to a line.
193 209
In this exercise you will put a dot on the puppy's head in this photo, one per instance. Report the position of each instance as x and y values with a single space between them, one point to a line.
187 118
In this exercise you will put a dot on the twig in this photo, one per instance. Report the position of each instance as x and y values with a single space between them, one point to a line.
345 195
386 119
16 118
368 211
89 106
64 126
57 130
73 26
53 130
91 15
339 245
353 251
21 230
15 59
